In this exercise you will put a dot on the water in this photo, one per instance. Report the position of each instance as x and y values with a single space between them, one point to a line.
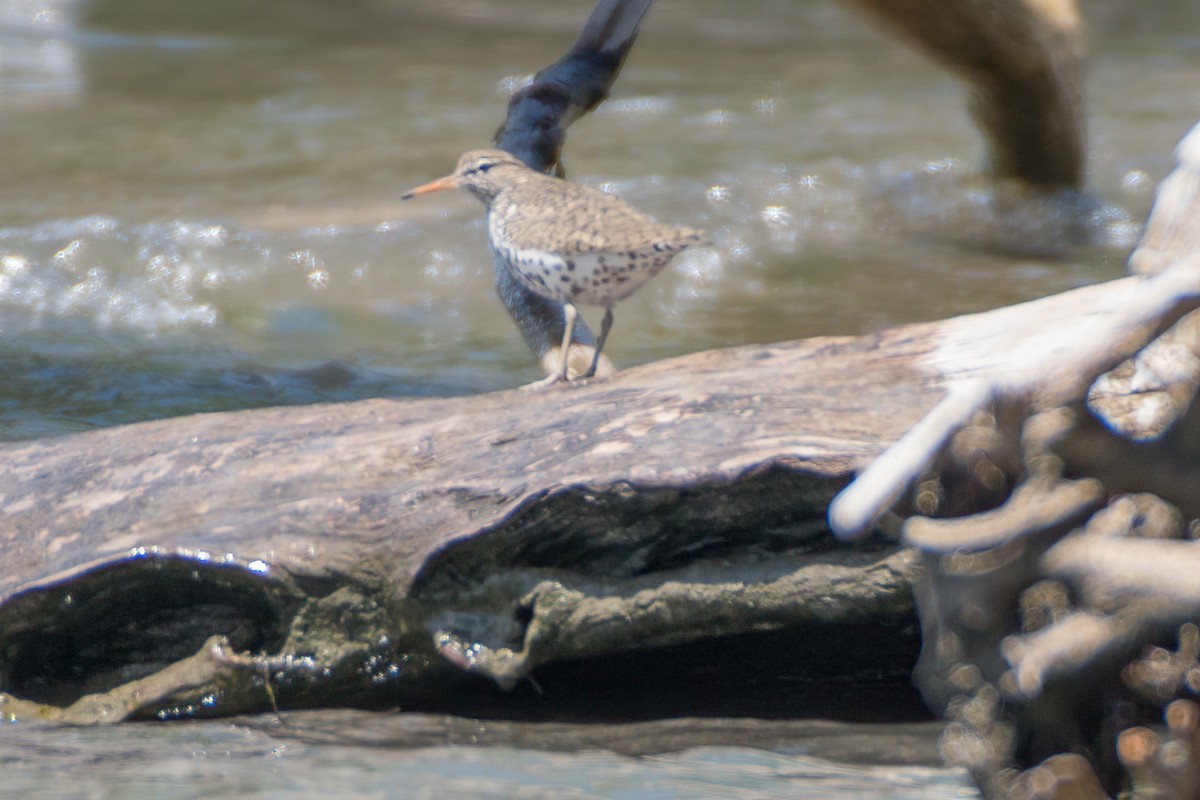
197 760
201 211
202 208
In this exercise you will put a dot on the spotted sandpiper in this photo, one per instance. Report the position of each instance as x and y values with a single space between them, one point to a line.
563 241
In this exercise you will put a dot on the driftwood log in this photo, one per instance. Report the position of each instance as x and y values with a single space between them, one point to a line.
489 534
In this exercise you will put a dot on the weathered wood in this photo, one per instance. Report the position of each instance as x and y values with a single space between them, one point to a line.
434 525
299 482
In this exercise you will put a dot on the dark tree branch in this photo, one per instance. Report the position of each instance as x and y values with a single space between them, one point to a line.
1025 65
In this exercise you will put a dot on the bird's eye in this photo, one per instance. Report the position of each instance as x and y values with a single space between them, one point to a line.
485 167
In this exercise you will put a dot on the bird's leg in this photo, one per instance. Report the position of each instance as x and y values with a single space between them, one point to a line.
605 327
569 313
560 371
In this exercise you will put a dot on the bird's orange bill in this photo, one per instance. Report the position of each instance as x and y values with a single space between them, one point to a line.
448 182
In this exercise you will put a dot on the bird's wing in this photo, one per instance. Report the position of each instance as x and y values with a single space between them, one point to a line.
570 218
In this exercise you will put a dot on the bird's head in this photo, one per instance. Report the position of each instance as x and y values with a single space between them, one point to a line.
484 173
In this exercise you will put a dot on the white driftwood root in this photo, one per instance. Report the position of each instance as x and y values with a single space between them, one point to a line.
1049 350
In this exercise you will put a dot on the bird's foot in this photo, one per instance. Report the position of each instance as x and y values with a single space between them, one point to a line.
544 383
581 357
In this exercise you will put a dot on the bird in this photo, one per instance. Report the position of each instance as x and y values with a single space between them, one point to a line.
565 241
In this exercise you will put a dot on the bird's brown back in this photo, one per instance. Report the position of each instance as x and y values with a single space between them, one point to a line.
539 212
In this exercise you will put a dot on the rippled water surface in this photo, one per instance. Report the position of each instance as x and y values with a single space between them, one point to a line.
201 211
203 760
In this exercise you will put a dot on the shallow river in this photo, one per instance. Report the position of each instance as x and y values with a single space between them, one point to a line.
201 211
181 761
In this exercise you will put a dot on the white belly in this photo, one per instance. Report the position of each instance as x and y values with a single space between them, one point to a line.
598 279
